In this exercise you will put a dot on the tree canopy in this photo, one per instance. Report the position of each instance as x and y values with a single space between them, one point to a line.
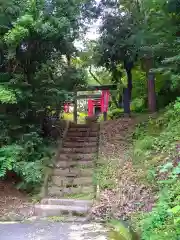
37 44
140 34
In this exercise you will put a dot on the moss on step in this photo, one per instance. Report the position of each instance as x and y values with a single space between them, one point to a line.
57 218
80 196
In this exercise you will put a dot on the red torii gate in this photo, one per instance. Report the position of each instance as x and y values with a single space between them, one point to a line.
103 101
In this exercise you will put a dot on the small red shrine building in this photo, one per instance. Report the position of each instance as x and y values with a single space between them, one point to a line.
96 106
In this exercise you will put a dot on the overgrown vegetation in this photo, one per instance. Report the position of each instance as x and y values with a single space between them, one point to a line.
36 71
156 152
27 158
145 189
158 136
105 175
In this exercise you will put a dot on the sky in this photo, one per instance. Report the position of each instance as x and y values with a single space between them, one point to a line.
92 33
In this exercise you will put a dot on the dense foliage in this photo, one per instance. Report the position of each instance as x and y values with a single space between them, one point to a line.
36 48
156 151
135 48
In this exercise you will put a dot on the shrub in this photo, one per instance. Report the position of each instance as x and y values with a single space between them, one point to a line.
8 158
163 222
138 105
101 117
121 231
116 113
27 157
158 135
142 148
70 116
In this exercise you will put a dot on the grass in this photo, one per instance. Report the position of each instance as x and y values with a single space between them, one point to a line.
153 151
70 116
57 219
81 196
105 175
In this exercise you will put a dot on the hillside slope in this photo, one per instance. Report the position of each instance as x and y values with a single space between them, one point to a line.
145 184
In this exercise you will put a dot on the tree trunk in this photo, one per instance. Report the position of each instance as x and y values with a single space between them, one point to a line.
120 102
129 78
105 116
147 64
95 78
126 100
151 92
127 92
68 60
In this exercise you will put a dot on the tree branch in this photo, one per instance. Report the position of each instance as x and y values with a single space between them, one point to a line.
95 78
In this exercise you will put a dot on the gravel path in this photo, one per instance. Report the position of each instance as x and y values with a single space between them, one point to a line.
52 231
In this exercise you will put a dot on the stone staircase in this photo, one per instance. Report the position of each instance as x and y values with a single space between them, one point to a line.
70 186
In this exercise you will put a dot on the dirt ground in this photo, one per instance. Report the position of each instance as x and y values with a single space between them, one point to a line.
128 195
11 199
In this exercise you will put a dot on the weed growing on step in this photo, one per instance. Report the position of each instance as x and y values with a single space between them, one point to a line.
35 199
105 175
81 196
57 218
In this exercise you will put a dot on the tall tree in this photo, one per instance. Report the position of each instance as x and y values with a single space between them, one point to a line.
37 44
114 47
130 31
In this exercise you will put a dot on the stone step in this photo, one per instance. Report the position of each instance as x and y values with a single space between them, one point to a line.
77 156
66 202
71 144
83 125
82 129
54 191
72 172
82 139
74 164
71 181
82 134
59 210
83 149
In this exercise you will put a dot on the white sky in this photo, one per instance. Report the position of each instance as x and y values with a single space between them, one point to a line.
92 33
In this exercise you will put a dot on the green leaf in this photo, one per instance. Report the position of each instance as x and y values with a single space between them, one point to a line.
166 167
175 209
176 170
7 95
177 220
